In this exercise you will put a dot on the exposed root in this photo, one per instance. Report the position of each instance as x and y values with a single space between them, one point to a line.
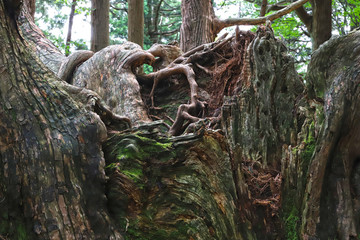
191 112
68 66
137 59
164 54
220 59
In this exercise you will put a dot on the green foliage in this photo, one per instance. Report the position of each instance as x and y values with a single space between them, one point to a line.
291 30
161 24
51 17
290 215
21 232
346 15
309 149
291 225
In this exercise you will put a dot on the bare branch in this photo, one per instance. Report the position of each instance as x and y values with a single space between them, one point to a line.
256 21
277 6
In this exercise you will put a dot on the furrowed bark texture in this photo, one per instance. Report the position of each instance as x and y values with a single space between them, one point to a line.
261 117
259 121
198 24
331 205
208 185
51 163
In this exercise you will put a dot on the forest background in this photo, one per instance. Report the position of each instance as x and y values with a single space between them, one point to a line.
163 21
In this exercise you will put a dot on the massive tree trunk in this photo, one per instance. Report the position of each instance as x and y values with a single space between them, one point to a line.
136 21
99 24
51 169
331 198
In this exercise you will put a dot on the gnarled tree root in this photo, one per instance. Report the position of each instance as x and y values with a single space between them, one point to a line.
191 112
68 66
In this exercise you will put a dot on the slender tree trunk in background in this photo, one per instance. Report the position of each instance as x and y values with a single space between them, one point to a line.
71 18
136 21
263 8
198 23
99 24
319 23
32 8
149 21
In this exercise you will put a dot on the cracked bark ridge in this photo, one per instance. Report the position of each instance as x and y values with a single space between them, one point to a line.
259 120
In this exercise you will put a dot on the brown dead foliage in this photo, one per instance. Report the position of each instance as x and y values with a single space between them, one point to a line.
264 185
231 68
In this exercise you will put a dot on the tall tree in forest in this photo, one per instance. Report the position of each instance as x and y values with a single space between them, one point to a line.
71 19
136 21
99 24
162 21
319 23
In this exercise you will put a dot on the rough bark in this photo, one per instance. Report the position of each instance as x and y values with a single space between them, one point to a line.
51 169
99 24
331 201
173 188
32 8
198 24
280 161
180 183
136 21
